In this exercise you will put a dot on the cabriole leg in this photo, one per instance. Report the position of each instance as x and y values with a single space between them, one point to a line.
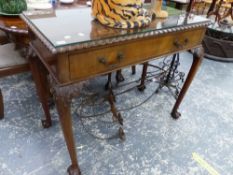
63 107
197 59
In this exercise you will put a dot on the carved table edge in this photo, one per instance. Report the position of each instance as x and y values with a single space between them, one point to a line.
105 41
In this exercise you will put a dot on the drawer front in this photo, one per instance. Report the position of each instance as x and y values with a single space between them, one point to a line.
98 61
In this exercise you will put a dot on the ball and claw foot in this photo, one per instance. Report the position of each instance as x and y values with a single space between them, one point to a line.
175 114
108 86
1 117
73 170
157 91
120 119
46 123
51 103
141 87
119 77
122 134
133 70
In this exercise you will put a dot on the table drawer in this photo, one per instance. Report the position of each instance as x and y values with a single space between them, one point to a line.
107 58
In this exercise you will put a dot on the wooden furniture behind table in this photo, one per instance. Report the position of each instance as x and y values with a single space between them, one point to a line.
221 9
13 29
3 38
83 49
12 61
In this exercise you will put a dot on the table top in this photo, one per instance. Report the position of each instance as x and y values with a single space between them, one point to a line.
61 29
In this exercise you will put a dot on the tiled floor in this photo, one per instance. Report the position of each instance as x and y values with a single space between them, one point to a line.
155 143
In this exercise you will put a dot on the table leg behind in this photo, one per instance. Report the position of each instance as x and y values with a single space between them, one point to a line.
1 106
142 86
39 77
63 107
133 68
197 58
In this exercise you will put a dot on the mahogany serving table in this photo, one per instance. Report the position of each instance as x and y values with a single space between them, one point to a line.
73 47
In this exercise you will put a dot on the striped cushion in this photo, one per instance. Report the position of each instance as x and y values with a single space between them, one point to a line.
9 56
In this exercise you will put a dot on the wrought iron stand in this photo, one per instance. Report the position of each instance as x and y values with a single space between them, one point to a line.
166 75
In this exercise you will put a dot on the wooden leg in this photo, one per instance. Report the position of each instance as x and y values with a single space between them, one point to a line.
133 69
212 6
119 76
215 11
197 58
190 6
39 77
63 107
1 106
142 86
108 85
231 11
228 13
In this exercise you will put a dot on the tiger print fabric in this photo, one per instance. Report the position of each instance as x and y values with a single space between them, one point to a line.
121 13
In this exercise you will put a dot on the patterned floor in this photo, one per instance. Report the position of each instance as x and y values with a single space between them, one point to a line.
199 143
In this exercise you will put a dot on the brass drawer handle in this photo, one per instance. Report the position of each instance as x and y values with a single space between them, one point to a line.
180 45
120 56
186 41
103 60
